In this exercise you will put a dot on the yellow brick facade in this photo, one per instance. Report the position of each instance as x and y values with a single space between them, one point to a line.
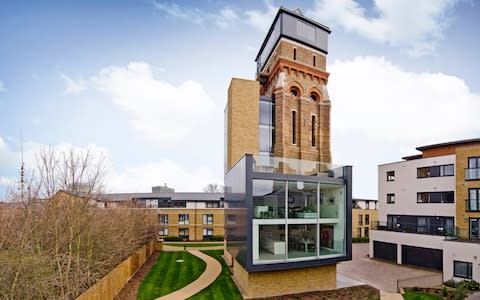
273 283
242 114
195 224
360 214
462 153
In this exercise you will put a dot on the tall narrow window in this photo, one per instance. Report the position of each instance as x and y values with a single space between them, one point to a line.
294 127
314 61
313 130
294 54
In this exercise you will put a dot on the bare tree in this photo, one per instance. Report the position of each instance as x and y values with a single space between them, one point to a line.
213 188
55 241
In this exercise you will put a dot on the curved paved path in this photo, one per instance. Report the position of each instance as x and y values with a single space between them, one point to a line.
208 276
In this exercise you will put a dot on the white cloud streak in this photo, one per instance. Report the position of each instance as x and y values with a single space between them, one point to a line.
73 86
224 18
161 111
262 19
2 87
415 26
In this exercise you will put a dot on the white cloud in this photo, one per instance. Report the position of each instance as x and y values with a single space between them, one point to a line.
142 177
73 86
174 10
161 111
262 19
2 87
374 96
413 25
224 19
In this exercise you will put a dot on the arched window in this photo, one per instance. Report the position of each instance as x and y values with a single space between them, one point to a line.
294 91
314 96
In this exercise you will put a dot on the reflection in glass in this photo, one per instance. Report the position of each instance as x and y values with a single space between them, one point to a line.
302 200
302 240
268 199
271 243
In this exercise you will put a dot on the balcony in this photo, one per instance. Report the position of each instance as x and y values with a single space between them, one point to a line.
414 228
464 235
472 205
281 165
472 174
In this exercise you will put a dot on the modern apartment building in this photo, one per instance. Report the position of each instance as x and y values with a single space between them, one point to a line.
288 209
364 214
429 210
190 216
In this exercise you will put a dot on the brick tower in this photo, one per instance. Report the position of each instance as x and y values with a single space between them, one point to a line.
293 75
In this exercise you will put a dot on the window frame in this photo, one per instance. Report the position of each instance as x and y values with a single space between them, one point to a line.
389 198
294 127
165 221
469 269
207 219
163 230
432 171
185 221
391 175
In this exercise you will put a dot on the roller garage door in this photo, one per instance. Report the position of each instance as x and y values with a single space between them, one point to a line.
422 257
384 250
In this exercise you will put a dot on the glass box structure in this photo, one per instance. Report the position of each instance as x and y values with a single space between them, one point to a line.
286 213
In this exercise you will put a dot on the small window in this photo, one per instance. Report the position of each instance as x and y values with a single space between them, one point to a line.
366 231
367 219
462 269
183 233
314 97
208 219
390 198
360 220
207 234
163 219
294 127
313 131
314 61
163 232
474 162
294 91
212 204
294 54
359 231
391 176
183 219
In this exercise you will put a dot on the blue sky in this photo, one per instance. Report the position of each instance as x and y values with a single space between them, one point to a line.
144 82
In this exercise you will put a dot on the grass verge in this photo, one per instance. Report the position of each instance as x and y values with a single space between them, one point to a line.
168 275
194 245
223 287
411 295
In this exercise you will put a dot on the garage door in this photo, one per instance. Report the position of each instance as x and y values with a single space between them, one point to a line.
422 257
384 250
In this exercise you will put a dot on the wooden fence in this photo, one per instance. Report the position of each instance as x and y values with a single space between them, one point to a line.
110 285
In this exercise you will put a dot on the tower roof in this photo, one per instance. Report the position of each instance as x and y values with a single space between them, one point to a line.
293 25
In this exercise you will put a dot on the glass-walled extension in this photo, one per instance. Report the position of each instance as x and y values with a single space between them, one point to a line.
297 220
278 220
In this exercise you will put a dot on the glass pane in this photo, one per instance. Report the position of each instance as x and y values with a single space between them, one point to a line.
265 139
473 194
449 170
269 243
268 199
302 200
302 240
332 200
472 162
265 113
331 239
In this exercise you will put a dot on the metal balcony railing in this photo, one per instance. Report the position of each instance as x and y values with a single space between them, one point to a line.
413 228
272 164
472 174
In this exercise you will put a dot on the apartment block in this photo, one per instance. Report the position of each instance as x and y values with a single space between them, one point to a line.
190 216
429 210
364 214
288 209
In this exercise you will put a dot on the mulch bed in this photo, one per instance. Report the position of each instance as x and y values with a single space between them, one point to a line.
129 291
356 292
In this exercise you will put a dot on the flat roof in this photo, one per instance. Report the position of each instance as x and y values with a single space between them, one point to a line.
361 199
292 13
460 142
176 196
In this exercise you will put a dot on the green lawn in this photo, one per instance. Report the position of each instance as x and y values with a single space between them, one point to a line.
410 295
167 275
223 287
196 245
